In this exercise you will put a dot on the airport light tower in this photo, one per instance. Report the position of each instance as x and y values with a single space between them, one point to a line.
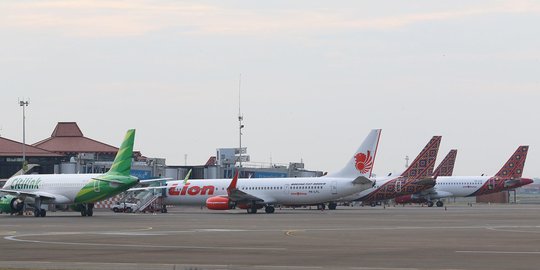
24 104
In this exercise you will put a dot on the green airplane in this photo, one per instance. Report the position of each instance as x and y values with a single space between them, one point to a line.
80 190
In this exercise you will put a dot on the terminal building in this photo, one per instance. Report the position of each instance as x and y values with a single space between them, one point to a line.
67 150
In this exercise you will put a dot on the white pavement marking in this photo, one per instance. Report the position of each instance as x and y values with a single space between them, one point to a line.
379 268
15 238
498 252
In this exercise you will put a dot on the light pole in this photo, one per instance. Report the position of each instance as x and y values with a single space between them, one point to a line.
240 119
24 104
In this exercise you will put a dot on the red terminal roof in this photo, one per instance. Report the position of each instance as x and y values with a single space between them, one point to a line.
10 148
68 138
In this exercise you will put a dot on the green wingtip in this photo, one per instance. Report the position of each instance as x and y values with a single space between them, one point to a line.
122 161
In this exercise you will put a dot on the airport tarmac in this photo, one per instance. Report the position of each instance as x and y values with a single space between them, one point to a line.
410 237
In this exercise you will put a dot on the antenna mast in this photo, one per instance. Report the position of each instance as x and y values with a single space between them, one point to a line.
406 161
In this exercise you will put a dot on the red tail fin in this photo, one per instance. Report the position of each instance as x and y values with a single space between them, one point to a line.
424 163
446 168
514 166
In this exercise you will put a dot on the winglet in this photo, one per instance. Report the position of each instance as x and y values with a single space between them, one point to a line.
187 176
514 166
232 186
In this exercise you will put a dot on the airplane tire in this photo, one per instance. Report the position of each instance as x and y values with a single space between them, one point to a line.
42 213
430 204
90 212
37 213
332 206
269 209
83 212
373 204
440 204
252 210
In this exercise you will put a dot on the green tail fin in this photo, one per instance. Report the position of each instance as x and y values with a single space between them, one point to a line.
122 161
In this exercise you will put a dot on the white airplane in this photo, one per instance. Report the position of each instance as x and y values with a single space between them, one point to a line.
508 177
417 177
255 193
80 189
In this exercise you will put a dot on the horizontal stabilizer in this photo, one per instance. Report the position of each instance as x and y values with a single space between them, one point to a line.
108 180
362 180
427 181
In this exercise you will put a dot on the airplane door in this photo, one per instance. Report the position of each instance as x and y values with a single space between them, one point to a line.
398 185
491 184
96 186
333 186
286 189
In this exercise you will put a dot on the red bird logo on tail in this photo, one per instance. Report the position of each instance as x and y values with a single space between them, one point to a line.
364 162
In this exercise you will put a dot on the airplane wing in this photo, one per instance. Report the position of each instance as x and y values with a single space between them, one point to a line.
154 180
29 194
237 195
434 194
146 188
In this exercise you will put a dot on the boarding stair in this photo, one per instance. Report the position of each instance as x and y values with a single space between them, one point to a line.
148 199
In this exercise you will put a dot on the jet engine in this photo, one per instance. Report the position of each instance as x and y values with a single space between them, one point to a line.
11 204
219 203
409 199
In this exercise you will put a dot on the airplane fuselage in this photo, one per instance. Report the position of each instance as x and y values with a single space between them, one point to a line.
65 188
284 191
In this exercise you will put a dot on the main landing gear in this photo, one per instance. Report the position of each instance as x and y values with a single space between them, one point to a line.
438 204
268 209
252 210
332 205
38 212
87 209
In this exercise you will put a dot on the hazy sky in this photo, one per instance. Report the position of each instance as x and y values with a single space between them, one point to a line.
316 77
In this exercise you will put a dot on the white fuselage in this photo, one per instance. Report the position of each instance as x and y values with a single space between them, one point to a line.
63 187
284 191
459 186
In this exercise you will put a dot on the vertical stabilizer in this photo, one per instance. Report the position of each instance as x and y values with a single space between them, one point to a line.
122 161
424 163
446 168
514 166
362 161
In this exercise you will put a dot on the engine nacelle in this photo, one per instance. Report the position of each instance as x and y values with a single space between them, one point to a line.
11 204
409 199
219 203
